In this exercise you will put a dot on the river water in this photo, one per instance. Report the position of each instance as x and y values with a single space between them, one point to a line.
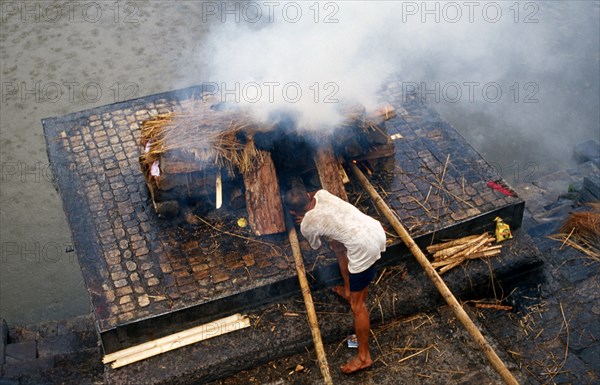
74 56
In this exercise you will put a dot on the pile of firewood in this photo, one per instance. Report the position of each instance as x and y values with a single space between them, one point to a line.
448 255
209 155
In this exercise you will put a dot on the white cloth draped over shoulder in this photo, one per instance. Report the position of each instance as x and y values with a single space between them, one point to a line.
334 218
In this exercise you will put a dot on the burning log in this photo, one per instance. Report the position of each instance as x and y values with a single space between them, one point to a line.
364 137
207 158
328 168
263 200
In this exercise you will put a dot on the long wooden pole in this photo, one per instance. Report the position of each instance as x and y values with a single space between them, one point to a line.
308 302
174 341
460 313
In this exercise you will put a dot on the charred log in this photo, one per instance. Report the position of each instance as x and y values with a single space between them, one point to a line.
328 168
183 155
263 200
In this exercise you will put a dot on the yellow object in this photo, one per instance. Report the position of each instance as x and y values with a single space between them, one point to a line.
242 222
502 230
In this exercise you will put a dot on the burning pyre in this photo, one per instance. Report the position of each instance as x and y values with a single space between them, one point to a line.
210 156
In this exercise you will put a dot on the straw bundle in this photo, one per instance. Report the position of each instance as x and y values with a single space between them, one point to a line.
220 138
581 231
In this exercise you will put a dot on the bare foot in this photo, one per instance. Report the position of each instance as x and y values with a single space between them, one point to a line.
339 290
355 365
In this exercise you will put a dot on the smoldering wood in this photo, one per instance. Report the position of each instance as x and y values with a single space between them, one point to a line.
328 168
181 161
263 199
188 173
189 186
382 114
380 157
363 135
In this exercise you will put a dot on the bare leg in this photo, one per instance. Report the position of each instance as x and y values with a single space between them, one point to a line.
362 327
342 257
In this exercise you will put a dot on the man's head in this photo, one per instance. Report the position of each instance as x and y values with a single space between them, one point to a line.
296 199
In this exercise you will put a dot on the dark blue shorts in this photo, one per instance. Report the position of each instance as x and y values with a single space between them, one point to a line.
361 280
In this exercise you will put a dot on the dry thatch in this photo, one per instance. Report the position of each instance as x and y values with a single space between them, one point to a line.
213 137
582 231
207 135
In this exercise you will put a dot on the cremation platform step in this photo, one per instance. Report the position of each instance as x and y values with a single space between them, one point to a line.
399 294
149 277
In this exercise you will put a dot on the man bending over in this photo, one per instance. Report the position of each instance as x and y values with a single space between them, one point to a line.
357 240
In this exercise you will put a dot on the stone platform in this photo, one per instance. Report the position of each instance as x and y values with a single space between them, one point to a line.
149 277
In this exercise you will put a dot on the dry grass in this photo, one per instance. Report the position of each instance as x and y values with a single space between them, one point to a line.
223 138
581 231
206 135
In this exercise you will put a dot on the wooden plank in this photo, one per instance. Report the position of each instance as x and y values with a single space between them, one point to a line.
328 168
263 200
177 340
380 158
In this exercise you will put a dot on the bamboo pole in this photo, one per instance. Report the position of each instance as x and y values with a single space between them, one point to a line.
460 313
177 340
308 302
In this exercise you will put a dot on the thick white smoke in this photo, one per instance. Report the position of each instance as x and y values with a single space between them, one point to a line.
307 56
506 72
306 61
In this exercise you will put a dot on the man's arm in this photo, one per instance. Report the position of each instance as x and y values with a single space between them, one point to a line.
310 232
337 247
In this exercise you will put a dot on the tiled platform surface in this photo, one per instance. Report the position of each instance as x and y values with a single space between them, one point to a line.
149 277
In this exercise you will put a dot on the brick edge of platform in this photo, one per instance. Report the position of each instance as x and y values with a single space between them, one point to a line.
227 354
